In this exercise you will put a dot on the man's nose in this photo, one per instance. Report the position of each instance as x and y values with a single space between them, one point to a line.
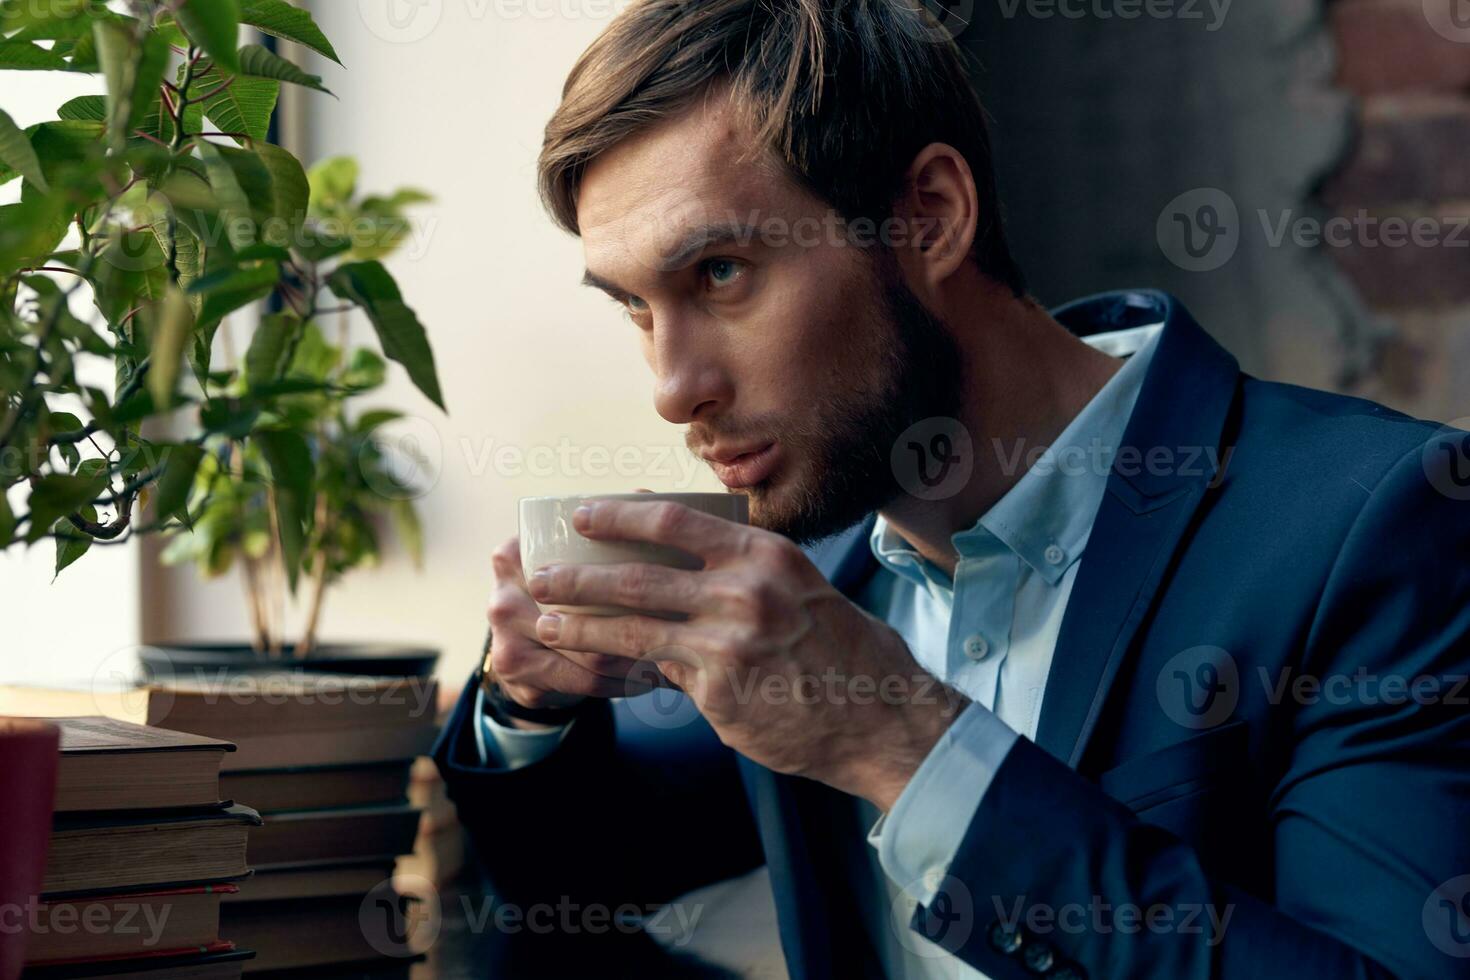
693 382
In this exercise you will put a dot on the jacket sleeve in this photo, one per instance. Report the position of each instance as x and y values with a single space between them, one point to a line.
1371 855
633 807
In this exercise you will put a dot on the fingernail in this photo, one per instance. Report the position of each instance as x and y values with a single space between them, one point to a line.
582 517
540 583
549 626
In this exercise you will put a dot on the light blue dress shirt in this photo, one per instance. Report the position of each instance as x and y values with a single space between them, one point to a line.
990 633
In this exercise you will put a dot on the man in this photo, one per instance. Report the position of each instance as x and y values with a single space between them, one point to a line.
1124 663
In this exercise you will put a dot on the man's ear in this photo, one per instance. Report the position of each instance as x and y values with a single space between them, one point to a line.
939 207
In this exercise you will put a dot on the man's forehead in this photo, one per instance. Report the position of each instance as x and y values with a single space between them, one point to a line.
694 159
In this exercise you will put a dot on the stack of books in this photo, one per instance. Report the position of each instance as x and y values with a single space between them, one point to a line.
143 850
325 760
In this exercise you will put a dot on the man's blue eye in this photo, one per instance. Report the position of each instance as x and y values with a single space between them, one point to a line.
635 304
721 271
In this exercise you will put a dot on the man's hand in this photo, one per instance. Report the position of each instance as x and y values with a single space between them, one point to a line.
533 674
786 669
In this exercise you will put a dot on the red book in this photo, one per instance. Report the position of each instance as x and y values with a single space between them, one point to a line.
147 923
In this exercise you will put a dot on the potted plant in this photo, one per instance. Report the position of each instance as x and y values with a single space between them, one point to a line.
165 201
357 489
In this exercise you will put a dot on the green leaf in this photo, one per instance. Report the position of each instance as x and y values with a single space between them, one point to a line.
333 182
243 189
263 360
245 106
171 331
214 25
257 62
17 153
7 522
30 230
180 463
283 20
368 421
23 55
92 108
231 289
45 19
228 416
290 463
403 339
410 532
132 74
56 495
289 193
364 370
71 542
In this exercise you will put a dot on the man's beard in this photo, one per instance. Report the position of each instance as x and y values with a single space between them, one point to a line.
847 444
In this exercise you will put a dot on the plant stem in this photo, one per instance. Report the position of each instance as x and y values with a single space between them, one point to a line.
307 642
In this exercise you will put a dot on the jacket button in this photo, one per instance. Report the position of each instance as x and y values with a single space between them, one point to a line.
1066 971
1005 940
1039 957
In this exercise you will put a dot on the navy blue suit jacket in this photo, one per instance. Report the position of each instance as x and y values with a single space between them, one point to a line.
1231 721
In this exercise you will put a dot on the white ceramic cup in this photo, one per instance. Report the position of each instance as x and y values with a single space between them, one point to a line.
548 537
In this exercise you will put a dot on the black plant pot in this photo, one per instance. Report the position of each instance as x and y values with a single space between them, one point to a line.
162 661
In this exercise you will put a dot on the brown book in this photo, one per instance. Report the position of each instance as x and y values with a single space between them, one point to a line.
331 881
317 788
108 926
219 960
311 932
121 852
325 836
108 764
345 719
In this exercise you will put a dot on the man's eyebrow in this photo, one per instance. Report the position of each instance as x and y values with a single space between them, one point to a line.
701 237
694 241
590 278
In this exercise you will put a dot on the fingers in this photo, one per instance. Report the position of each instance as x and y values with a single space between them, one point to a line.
635 585
627 637
505 561
530 672
661 522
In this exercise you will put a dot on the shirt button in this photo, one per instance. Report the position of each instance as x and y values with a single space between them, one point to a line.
976 647
1054 555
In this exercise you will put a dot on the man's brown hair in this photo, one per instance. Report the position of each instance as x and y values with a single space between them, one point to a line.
844 93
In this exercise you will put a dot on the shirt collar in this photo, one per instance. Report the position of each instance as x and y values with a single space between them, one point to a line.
1046 517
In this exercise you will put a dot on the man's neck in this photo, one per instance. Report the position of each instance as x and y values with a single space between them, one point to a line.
1026 378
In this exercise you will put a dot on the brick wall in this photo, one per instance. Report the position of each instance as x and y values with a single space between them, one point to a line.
1407 62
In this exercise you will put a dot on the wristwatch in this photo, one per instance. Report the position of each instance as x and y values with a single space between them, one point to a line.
502 707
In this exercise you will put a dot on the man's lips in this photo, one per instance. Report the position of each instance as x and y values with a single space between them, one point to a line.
745 469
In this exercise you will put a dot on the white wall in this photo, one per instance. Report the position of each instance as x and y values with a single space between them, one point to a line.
453 99
61 631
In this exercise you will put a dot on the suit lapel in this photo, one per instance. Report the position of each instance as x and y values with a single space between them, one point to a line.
1182 409
791 811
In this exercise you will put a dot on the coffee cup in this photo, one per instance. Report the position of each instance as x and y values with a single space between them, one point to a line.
548 537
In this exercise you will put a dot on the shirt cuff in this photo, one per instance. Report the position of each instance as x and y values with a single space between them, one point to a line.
918 839
512 748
